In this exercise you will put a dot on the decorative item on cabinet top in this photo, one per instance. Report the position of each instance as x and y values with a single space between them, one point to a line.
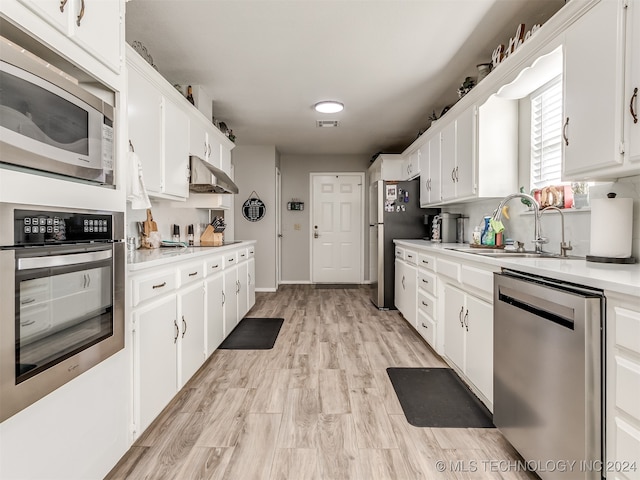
143 52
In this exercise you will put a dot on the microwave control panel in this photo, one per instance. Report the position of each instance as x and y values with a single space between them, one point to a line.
33 227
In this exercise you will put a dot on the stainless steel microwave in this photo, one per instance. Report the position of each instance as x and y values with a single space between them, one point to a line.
49 123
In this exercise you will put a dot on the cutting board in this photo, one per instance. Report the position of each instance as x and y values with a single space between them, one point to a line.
149 225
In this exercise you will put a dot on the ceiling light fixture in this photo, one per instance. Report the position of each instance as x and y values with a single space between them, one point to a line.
329 106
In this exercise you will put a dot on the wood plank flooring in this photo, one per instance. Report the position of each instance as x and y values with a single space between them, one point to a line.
317 406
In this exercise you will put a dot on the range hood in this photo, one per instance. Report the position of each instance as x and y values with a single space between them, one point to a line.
206 178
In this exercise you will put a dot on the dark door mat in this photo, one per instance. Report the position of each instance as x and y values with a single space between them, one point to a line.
253 334
436 397
348 286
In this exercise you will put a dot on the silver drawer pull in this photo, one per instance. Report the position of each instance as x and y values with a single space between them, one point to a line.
425 304
27 323
425 261
27 301
163 284
425 281
425 326
193 274
215 266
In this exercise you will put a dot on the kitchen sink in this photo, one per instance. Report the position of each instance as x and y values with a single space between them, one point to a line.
502 253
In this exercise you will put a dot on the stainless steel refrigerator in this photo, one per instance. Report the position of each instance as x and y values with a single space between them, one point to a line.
394 213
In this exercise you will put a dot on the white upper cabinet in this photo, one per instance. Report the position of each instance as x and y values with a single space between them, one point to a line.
632 85
158 130
430 172
386 167
593 92
94 25
204 140
411 165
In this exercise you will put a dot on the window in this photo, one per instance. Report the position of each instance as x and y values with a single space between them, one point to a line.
546 134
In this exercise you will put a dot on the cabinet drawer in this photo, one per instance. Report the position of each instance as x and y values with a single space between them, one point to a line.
242 255
628 329
153 285
230 259
427 282
450 269
628 386
427 328
426 303
252 251
477 278
427 261
190 273
411 257
400 253
213 265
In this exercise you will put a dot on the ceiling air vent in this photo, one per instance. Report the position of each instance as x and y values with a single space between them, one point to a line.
326 123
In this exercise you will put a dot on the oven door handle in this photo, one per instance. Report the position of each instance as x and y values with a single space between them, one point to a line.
31 263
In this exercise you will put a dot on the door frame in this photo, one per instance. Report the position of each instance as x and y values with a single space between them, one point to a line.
312 175
278 228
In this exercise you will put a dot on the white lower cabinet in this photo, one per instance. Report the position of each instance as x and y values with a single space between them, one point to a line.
469 337
405 290
251 281
623 385
191 344
155 336
215 316
180 313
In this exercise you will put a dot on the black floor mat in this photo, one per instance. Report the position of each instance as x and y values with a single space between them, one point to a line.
436 397
348 286
253 334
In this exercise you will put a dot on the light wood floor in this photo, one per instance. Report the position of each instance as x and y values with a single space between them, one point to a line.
319 405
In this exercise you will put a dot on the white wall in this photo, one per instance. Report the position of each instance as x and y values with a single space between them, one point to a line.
255 169
296 231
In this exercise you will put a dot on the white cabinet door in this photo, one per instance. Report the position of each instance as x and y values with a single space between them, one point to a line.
399 295
406 291
156 334
435 169
478 324
94 25
593 97
454 339
99 30
230 300
243 292
448 161
198 144
214 313
632 91
145 128
251 282
176 150
225 159
191 319
424 175
466 141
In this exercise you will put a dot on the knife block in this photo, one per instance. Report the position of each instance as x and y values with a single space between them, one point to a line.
210 238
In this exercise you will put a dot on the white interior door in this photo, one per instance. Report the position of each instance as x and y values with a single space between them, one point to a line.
336 228
278 228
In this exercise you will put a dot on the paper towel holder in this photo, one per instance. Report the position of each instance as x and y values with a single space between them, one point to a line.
598 259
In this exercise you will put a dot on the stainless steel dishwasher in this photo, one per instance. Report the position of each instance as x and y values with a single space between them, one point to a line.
548 377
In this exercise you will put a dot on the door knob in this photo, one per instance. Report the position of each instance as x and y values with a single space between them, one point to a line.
315 231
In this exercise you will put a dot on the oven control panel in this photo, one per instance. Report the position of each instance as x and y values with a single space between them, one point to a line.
33 227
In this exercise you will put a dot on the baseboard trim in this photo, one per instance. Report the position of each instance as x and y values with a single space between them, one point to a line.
269 290
295 282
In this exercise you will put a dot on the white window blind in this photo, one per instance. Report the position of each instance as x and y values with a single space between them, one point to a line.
546 134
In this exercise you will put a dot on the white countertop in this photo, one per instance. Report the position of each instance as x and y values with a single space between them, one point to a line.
619 278
147 258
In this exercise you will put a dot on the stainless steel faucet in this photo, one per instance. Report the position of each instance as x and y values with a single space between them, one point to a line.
538 241
564 247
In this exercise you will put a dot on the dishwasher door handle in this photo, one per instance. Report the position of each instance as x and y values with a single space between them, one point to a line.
535 310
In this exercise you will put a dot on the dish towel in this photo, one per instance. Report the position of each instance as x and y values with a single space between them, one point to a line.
136 192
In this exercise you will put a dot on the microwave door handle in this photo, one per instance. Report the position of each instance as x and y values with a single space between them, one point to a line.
63 260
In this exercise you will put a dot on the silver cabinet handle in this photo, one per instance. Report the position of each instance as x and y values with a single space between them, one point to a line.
465 320
27 323
223 298
214 266
424 303
425 262
460 316
403 286
27 301
160 285
193 274
81 14
453 178
631 109
425 281
62 5
175 324
424 325
564 131
184 326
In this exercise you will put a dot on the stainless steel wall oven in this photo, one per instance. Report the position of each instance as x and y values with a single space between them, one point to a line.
61 298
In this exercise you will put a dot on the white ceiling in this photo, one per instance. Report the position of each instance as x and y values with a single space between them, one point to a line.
266 62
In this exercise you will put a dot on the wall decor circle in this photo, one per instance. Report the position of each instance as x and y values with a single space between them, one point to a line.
253 208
